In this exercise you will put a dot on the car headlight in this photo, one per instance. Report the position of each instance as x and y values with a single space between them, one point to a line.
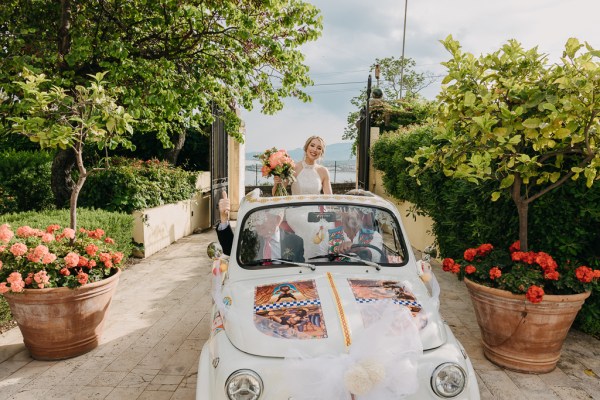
448 380
244 384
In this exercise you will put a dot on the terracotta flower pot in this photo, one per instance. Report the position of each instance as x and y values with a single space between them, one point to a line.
59 323
520 335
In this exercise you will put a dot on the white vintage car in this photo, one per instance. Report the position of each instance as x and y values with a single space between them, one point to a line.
322 298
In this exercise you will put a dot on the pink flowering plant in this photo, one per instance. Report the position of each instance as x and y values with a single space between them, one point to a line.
531 273
55 257
277 163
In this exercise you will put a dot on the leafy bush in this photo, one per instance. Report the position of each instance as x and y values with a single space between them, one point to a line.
118 226
130 185
25 181
462 214
565 222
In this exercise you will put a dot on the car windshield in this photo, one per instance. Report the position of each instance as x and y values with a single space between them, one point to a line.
320 234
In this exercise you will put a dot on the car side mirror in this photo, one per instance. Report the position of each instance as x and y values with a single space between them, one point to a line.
214 250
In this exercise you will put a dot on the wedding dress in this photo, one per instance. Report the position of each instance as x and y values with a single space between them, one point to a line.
308 182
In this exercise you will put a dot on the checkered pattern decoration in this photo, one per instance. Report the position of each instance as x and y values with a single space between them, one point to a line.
401 302
276 306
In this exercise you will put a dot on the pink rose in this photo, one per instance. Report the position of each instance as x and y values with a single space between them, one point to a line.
3 288
47 237
71 259
25 231
68 233
18 249
104 257
265 170
82 277
40 251
16 282
117 257
41 278
91 249
48 258
52 228
278 158
5 233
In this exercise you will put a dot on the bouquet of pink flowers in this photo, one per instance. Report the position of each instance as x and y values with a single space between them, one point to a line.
278 163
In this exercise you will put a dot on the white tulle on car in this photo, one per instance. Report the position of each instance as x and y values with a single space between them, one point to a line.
381 362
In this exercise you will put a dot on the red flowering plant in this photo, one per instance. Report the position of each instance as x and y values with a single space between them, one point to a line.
55 257
531 273
277 163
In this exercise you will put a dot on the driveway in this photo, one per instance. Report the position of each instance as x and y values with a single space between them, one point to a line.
159 320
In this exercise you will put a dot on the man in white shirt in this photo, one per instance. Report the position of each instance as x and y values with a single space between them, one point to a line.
273 242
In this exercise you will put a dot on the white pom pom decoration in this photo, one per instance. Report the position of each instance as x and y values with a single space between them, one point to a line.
375 370
362 376
357 380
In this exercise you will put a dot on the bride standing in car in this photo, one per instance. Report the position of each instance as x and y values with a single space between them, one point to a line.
311 177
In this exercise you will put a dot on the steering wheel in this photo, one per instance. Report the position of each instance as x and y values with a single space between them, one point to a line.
370 246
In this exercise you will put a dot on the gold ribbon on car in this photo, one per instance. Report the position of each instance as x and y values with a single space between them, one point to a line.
340 311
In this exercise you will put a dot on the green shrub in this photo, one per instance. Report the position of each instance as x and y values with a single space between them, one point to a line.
564 222
130 185
25 181
118 226
462 214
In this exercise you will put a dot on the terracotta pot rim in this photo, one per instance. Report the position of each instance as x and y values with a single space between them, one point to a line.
56 290
506 294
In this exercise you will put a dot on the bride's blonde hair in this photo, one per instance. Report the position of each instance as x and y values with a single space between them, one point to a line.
310 139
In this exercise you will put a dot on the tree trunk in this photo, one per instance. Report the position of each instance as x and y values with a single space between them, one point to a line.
77 188
62 183
64 160
522 208
64 33
178 142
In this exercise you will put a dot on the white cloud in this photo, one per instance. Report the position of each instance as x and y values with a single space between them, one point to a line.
356 32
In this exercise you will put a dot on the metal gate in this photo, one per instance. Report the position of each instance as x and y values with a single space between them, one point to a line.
218 163
364 143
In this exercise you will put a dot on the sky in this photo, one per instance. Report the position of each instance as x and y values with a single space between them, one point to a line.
356 32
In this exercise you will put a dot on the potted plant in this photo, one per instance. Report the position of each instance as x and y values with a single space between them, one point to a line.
525 302
59 285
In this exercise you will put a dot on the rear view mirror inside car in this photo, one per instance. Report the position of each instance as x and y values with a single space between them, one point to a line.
328 216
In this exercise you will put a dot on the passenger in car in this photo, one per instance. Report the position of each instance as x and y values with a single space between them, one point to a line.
273 241
352 233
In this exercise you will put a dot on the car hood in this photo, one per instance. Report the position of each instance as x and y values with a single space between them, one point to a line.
319 312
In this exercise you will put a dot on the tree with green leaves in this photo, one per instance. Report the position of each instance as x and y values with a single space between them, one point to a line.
176 60
392 85
56 119
511 118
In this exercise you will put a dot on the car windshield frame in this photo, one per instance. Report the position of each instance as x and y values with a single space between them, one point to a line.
403 247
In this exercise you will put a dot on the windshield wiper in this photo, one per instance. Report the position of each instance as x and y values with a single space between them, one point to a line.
279 260
300 264
353 257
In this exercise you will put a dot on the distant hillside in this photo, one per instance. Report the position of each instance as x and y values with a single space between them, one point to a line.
333 152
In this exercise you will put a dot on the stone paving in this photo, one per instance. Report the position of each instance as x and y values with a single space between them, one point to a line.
159 320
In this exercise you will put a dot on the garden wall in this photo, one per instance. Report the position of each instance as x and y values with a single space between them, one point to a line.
158 227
